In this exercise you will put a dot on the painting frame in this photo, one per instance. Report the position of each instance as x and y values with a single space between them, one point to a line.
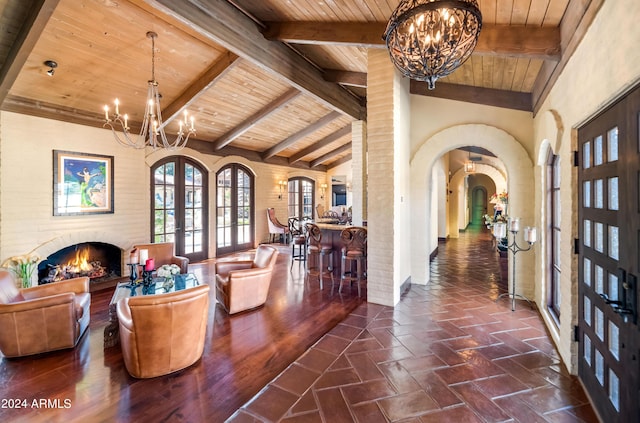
82 183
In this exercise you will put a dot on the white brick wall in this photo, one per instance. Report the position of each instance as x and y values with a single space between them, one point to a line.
26 168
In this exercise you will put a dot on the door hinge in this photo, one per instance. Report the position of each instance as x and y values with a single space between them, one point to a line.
576 333
576 246
576 159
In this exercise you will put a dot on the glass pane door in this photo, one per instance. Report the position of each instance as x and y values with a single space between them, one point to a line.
234 209
179 206
609 228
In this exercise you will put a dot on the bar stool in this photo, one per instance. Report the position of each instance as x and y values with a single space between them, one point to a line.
353 251
298 239
322 254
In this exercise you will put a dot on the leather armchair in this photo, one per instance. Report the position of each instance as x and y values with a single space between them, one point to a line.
161 334
42 318
163 253
244 284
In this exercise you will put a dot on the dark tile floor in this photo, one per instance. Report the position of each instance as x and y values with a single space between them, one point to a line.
446 353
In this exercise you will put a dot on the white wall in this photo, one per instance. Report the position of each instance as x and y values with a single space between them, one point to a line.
26 174
605 64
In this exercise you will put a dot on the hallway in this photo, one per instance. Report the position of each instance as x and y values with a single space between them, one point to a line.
446 353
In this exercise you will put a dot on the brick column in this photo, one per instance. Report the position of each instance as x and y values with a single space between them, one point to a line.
359 171
388 126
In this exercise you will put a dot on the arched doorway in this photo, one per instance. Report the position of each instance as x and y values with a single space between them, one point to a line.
179 211
235 209
301 193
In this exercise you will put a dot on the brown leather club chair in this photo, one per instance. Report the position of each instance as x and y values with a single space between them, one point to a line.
163 253
244 284
161 334
42 318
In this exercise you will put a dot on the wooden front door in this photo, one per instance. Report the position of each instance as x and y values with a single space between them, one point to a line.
609 263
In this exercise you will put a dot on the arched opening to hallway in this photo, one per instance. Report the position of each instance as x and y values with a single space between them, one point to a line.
511 170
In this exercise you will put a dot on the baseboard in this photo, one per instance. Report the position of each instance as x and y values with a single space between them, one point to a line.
441 239
405 287
433 255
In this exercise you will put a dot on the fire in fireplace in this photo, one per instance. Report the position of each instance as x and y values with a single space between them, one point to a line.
96 260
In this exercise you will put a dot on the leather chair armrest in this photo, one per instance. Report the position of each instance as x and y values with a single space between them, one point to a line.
38 303
182 262
75 285
124 313
236 275
224 267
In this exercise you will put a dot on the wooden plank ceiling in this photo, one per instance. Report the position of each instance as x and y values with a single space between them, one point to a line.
274 80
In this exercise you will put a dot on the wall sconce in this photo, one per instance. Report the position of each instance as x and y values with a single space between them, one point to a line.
281 184
323 188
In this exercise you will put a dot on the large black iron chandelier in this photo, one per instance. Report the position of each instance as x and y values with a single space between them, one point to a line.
429 39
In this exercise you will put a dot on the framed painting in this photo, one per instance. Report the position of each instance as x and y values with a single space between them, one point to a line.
82 183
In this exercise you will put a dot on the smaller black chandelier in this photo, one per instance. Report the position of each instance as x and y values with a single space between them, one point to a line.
429 39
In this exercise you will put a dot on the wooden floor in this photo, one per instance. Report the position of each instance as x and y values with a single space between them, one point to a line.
242 354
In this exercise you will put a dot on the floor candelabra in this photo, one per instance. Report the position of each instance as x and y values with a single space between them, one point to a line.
530 236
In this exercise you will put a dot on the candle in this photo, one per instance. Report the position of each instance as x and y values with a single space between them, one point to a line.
106 112
500 230
144 255
192 124
149 265
530 235
126 117
133 257
514 224
117 108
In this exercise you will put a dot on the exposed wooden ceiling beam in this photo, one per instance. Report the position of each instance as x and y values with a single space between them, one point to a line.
299 135
223 24
200 86
488 96
206 147
331 154
254 119
56 112
346 130
30 31
353 79
574 25
513 41
357 34
338 162
96 120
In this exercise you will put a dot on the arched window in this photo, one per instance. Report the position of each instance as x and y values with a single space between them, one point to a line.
179 206
234 209
301 197
553 234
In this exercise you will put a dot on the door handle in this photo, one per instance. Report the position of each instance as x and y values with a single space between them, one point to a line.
627 305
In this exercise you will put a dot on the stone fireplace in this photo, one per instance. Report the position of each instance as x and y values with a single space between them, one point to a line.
109 248
99 261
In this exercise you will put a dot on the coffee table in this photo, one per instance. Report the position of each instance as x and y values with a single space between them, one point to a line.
124 290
